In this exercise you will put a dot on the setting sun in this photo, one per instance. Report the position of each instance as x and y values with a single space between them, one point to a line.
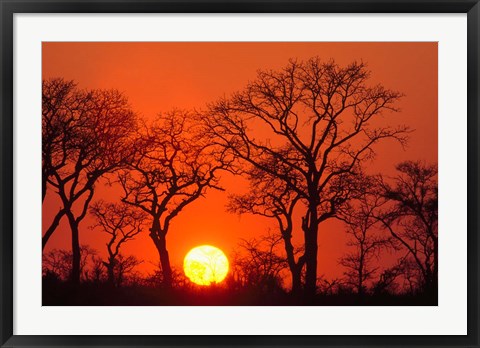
205 265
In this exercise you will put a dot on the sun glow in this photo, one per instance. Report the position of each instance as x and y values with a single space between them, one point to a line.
205 265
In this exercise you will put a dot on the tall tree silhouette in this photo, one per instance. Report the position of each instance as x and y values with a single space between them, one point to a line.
86 136
413 217
175 165
122 223
317 120
270 197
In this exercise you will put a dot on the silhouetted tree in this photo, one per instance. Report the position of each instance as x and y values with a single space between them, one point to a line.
259 263
123 267
95 141
122 223
366 238
270 197
413 217
329 287
60 101
155 278
97 272
59 262
175 165
314 118
387 281
58 98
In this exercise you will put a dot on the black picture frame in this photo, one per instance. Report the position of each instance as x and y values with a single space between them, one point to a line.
10 7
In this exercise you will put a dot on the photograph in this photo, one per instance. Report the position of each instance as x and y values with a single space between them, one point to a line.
239 173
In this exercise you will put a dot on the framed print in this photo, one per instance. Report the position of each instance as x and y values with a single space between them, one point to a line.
239 173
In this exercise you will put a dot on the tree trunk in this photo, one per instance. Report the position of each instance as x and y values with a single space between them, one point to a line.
75 274
111 273
295 268
311 250
165 261
297 280
310 229
159 238
360 278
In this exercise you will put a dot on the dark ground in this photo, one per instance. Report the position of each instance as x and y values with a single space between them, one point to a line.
91 294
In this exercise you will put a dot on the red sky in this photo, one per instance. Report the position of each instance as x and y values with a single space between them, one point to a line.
157 77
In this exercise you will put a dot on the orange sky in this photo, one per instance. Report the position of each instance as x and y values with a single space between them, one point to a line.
160 76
